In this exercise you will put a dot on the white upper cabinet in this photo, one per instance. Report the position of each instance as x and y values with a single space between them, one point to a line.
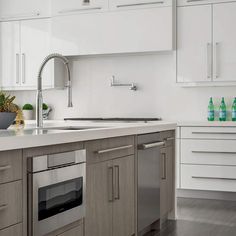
35 46
206 44
194 44
126 4
9 54
23 46
23 9
60 7
142 30
224 41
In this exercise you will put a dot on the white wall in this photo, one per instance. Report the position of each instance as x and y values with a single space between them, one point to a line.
157 95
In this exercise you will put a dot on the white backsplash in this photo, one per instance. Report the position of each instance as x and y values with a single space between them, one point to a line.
158 95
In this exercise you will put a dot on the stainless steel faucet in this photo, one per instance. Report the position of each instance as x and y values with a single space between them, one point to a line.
39 102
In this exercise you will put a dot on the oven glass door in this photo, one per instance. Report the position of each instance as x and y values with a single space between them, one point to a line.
57 198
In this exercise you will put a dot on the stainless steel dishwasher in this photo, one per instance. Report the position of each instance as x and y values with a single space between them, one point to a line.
149 154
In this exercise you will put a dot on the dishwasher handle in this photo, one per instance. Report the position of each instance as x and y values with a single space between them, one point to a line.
150 145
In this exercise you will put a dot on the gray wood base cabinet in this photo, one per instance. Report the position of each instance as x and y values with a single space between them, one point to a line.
167 181
110 189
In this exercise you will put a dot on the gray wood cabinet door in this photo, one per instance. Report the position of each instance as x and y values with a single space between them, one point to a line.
98 219
167 174
124 202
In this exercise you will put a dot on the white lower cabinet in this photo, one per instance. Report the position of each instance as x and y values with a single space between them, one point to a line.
142 30
207 158
208 177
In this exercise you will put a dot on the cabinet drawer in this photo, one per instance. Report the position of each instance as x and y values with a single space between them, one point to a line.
126 4
15 230
208 132
211 152
107 149
64 7
203 177
77 231
10 204
10 166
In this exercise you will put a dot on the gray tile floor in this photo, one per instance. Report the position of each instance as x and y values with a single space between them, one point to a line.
197 217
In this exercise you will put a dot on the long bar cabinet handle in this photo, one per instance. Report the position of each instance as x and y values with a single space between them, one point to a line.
110 185
140 4
17 68
3 207
3 168
117 184
113 149
213 178
150 145
79 9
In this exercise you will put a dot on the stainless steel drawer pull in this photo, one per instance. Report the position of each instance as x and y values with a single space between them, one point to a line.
79 9
213 152
140 4
216 178
110 185
195 0
150 145
209 60
17 68
2 168
164 166
117 182
114 149
170 139
23 67
3 207
199 132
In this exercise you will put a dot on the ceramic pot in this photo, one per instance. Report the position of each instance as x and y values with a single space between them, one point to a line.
28 114
6 119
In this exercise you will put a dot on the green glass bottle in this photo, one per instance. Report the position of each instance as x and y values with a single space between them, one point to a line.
211 110
223 112
234 110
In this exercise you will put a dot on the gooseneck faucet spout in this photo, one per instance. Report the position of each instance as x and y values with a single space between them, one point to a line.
39 102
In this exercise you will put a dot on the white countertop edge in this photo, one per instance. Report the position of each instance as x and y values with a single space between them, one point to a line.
29 141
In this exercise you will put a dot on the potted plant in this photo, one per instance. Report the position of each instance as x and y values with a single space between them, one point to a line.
28 111
9 111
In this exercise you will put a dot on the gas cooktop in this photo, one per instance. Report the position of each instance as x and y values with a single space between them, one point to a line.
114 119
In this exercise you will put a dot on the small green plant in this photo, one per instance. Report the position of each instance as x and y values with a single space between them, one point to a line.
45 106
28 107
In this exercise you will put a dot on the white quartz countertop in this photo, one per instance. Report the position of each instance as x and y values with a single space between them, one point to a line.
29 136
206 124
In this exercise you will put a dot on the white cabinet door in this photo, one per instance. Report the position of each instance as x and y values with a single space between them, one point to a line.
9 54
194 43
142 30
224 38
125 4
15 9
35 46
60 7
